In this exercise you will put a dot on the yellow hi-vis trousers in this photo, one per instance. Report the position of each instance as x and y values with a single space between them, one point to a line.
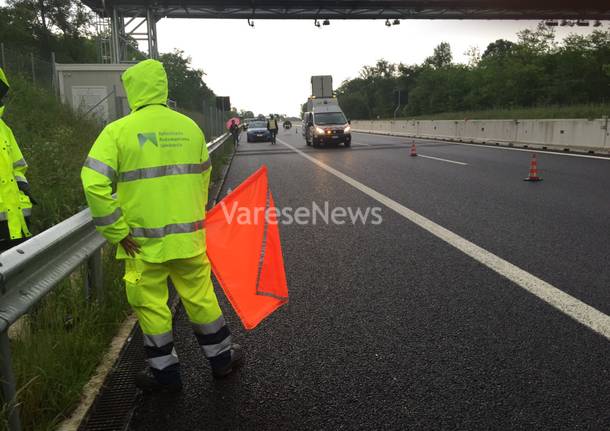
147 293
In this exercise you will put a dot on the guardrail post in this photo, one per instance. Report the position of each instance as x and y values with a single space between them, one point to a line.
95 276
2 55
606 131
9 392
210 129
54 73
33 67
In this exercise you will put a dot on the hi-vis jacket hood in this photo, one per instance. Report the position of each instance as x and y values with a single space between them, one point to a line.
145 84
3 90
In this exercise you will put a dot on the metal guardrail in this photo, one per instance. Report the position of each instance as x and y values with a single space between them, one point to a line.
29 271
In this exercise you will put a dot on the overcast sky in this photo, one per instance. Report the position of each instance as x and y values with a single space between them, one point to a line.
267 68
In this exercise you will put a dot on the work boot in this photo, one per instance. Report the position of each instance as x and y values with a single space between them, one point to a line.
151 380
237 359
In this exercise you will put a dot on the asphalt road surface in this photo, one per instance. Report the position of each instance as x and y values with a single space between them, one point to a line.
479 302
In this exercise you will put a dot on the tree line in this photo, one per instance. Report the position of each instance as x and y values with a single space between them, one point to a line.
66 28
536 70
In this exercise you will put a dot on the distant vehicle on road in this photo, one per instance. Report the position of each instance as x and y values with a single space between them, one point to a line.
287 124
257 131
324 122
326 126
247 121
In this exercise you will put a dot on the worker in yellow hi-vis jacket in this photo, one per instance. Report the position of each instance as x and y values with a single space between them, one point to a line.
159 161
15 203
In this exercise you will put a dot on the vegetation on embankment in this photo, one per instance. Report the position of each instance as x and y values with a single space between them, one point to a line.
58 345
54 141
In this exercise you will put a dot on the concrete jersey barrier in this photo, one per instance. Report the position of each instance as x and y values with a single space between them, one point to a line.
582 135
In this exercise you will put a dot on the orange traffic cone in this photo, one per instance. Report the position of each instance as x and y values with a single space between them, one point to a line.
533 176
413 150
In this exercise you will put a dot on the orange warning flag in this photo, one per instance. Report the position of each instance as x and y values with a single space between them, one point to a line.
243 243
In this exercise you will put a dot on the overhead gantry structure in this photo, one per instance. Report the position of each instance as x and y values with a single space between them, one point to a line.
130 20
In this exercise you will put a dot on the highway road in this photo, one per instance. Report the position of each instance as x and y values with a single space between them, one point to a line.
479 302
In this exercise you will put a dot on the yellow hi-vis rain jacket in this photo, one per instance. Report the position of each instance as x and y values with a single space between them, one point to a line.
159 161
14 204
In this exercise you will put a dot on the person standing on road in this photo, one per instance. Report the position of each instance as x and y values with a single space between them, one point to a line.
234 129
272 127
159 161
15 196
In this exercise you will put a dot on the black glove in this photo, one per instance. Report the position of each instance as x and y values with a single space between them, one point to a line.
25 188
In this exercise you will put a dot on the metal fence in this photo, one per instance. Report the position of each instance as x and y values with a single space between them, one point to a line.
43 73
31 270
211 120
27 65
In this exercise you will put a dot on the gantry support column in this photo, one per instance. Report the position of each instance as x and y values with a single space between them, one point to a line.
151 25
115 25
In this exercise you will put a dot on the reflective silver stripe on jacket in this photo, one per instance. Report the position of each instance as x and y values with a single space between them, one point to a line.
158 340
212 350
160 232
109 219
26 213
161 362
100 167
20 162
21 179
209 328
162 171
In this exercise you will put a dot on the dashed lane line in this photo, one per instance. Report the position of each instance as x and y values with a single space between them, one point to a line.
419 155
443 160
560 300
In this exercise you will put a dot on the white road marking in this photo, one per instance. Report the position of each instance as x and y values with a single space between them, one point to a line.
494 147
420 155
387 144
443 160
567 304
360 144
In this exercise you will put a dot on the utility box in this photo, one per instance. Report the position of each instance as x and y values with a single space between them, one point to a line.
322 86
94 90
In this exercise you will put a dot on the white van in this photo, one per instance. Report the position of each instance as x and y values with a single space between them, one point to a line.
325 123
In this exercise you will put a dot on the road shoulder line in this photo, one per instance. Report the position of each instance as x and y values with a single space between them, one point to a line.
490 146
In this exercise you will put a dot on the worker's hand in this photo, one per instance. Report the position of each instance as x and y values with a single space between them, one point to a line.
130 245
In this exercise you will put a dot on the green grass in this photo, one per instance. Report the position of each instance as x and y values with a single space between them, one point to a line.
542 112
63 338
61 343
55 142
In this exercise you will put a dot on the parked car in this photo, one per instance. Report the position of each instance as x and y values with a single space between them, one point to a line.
257 131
